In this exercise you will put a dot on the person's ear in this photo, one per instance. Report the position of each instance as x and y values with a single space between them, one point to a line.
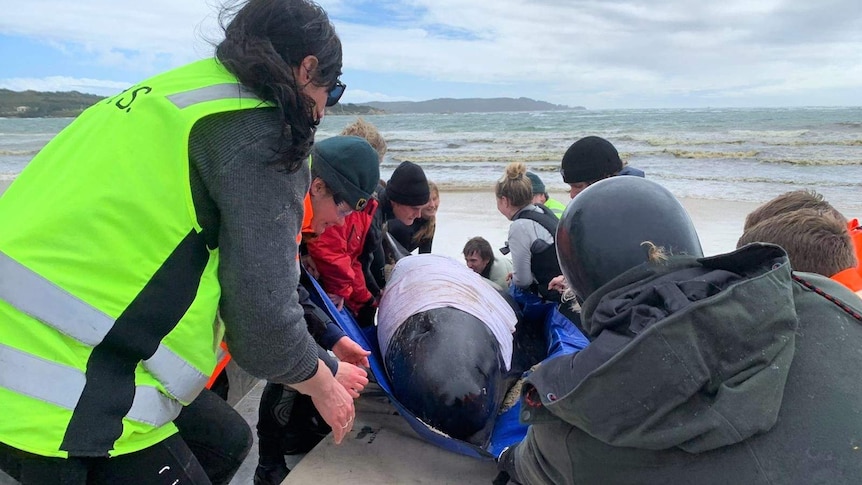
317 188
308 66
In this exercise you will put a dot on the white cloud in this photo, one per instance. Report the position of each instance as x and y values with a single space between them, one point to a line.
594 52
126 35
359 96
64 83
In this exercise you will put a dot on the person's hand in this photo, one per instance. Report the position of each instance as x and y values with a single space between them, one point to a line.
558 284
338 301
354 379
308 262
331 400
349 351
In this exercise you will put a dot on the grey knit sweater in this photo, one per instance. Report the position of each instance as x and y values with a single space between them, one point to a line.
252 210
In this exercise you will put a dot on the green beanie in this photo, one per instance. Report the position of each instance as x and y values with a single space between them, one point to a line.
349 166
538 185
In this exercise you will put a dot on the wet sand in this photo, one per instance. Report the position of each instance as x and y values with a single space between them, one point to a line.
464 214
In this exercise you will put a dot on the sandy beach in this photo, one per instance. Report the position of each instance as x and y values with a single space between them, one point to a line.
464 214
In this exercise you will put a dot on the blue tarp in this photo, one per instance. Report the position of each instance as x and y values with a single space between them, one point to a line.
563 337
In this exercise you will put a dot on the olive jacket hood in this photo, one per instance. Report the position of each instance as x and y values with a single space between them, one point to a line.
688 353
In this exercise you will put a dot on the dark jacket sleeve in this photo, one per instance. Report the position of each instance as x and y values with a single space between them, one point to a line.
402 233
372 256
320 326
425 245
257 207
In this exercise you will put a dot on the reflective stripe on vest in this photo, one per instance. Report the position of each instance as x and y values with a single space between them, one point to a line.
42 300
27 374
211 93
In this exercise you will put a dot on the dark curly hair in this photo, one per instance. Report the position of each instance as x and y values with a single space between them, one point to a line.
264 41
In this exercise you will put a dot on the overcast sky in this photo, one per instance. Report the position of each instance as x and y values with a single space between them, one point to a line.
598 54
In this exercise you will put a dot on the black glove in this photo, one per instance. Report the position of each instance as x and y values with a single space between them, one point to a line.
506 467
366 313
502 478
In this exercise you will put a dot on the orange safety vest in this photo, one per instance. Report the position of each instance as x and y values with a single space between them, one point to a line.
223 359
850 278
856 237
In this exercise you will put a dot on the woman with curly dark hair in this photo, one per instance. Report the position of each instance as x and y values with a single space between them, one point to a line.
181 196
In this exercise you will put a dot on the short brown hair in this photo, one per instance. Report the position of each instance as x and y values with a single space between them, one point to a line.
815 242
791 201
479 246
364 129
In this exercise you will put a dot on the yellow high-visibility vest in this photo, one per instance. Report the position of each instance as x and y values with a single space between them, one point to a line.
108 292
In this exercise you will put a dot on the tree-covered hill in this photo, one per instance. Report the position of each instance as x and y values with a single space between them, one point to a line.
37 104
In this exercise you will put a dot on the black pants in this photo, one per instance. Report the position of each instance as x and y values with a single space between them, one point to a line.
211 445
288 424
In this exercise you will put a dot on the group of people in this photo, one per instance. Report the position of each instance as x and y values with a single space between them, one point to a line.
734 368
533 276
348 259
184 211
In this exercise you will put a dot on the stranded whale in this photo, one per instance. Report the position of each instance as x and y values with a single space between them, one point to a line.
446 338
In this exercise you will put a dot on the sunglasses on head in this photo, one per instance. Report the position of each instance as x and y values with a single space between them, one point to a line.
335 93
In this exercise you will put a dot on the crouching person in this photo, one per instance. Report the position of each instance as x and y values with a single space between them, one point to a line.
727 369
344 173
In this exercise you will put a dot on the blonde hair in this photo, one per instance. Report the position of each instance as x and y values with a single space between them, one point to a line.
655 254
364 129
515 186
427 230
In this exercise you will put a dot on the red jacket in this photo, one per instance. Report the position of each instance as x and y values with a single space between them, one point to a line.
336 254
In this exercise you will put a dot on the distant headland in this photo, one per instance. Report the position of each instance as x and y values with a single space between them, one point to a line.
67 104
468 105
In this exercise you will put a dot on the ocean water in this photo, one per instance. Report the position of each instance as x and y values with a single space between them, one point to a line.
726 154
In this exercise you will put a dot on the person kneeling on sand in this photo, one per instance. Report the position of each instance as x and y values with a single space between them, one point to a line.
726 369
420 234
344 173
336 255
531 239
405 195
480 257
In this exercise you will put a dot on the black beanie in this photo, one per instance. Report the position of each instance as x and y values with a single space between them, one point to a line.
589 159
408 185
349 166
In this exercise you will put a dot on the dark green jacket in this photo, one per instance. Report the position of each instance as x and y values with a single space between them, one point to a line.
719 370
